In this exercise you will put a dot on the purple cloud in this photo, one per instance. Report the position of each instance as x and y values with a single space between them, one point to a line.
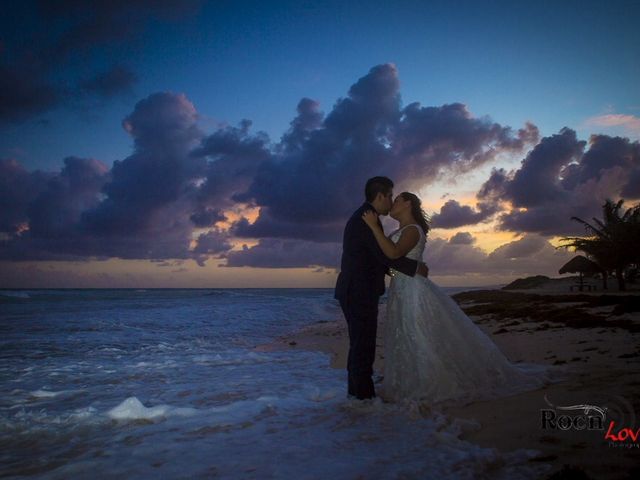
558 180
141 208
528 255
233 156
277 253
18 188
462 238
315 178
453 215
179 179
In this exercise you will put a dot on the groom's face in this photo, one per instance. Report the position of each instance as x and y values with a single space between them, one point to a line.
385 204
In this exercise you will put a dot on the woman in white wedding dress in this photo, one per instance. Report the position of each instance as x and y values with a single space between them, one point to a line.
433 350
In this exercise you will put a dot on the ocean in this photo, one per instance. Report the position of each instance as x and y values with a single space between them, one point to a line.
166 383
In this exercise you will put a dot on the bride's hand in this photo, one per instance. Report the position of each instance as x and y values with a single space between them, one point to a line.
371 219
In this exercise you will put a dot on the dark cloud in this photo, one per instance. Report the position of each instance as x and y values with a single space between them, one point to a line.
267 227
141 208
116 80
207 217
178 179
24 93
151 193
462 238
61 41
316 178
537 180
215 242
53 210
605 154
433 138
277 253
558 180
495 186
18 188
56 212
526 246
309 118
632 188
233 156
453 215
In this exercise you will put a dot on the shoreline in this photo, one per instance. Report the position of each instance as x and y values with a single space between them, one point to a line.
593 339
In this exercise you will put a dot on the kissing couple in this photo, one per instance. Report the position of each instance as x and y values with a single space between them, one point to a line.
432 350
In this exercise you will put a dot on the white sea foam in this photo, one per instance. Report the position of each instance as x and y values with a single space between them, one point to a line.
27 421
133 409
231 359
43 393
320 395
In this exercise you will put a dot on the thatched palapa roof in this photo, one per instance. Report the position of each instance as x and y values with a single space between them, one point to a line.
580 264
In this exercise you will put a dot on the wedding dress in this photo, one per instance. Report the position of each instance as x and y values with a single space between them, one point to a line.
434 351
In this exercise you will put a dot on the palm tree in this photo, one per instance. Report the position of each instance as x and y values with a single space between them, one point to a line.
613 242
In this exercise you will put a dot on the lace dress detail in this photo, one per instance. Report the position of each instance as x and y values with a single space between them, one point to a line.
434 351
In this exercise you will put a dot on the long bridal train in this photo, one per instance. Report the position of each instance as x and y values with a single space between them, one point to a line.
435 353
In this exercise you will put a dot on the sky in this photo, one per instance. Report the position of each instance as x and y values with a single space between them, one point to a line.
224 144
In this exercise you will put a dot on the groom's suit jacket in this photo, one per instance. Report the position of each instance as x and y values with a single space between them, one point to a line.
363 264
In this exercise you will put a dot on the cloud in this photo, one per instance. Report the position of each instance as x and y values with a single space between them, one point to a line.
453 215
51 218
630 123
278 253
529 255
167 199
558 180
207 217
213 242
462 238
151 194
316 176
56 38
445 258
141 208
18 188
537 179
267 227
526 246
24 93
233 156
56 211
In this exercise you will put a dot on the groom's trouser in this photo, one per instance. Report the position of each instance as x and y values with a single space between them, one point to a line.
362 320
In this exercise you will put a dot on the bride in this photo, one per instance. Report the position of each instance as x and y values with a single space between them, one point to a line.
433 351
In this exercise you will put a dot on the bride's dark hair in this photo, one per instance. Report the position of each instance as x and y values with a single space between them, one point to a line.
416 211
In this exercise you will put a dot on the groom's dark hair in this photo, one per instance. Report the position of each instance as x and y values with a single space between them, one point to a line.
377 185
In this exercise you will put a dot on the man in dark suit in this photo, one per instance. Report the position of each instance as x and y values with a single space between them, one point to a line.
361 283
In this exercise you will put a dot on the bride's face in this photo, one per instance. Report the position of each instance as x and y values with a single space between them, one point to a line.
399 205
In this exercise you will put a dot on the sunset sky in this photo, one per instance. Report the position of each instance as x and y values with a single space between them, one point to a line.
225 144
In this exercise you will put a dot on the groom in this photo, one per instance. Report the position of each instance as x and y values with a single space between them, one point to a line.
361 282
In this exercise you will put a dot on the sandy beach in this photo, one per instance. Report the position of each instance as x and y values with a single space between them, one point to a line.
593 337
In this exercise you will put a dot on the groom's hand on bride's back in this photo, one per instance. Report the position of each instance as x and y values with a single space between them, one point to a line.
423 269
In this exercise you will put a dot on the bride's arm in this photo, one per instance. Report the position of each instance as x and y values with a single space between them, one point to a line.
408 238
